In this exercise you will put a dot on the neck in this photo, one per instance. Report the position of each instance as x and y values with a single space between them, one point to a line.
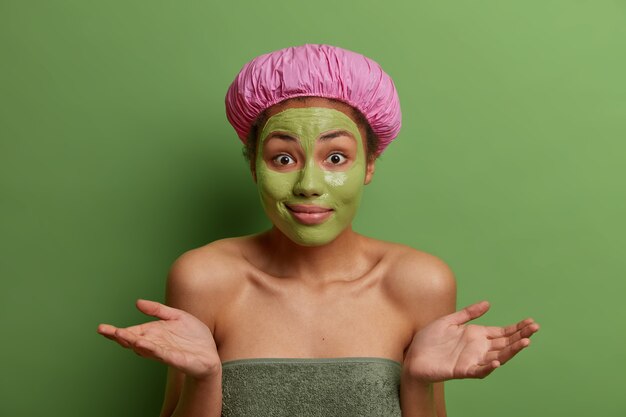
342 259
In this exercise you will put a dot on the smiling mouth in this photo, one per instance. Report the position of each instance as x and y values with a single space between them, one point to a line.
309 214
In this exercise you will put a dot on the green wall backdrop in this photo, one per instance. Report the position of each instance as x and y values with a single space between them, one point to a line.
116 157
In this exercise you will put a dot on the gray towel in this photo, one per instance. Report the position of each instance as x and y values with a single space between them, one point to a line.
290 387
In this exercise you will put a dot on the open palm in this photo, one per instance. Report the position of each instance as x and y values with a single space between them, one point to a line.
178 339
448 348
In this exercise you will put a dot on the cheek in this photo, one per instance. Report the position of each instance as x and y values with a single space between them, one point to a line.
335 179
274 185
346 187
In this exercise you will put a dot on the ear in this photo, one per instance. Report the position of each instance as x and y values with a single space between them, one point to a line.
369 170
253 171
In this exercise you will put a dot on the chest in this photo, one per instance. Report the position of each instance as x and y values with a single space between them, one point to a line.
295 322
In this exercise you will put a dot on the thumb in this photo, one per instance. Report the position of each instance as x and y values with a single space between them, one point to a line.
468 313
158 310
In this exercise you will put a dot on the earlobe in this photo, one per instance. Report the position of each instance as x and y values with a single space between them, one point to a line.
369 171
253 172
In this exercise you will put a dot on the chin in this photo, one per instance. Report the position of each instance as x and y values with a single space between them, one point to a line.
312 243
309 238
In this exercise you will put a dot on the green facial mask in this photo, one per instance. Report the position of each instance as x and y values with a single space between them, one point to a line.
312 183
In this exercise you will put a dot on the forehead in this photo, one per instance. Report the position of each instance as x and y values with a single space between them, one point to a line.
303 102
309 122
300 102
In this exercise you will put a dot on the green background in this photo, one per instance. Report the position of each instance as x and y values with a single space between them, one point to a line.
116 157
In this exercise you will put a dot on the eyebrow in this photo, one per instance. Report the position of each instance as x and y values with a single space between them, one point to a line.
327 136
336 134
282 136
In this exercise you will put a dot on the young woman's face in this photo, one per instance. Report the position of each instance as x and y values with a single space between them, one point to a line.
310 169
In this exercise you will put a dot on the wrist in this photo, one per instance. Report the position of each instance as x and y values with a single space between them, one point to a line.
415 378
208 375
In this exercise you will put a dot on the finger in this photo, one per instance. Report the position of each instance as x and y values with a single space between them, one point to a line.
496 331
511 329
507 353
108 331
146 348
481 371
524 333
469 313
533 328
135 341
125 337
498 344
158 310
504 355
123 343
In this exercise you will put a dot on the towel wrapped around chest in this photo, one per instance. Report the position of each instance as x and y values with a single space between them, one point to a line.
294 387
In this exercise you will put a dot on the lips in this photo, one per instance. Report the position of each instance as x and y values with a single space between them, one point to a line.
309 214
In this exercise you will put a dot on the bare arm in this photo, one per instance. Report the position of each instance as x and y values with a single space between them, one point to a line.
187 290
450 348
430 288
440 401
191 397
421 398
173 389
182 339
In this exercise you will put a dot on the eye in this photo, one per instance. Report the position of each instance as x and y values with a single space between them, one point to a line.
283 160
336 159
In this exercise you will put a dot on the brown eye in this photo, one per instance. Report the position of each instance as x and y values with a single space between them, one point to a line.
336 159
284 160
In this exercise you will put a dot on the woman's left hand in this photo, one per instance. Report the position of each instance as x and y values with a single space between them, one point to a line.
448 348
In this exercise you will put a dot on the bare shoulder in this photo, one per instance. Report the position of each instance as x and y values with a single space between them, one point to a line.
421 283
201 279
205 265
415 271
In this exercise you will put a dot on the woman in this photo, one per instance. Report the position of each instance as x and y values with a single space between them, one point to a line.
310 317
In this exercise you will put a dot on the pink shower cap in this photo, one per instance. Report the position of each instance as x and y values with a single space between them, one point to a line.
318 71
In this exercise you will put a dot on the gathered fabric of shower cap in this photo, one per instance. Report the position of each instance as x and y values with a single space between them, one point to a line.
317 71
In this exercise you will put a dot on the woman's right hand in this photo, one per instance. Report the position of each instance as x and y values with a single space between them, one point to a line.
178 339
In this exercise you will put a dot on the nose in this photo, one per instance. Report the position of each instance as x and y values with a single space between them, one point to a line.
310 181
